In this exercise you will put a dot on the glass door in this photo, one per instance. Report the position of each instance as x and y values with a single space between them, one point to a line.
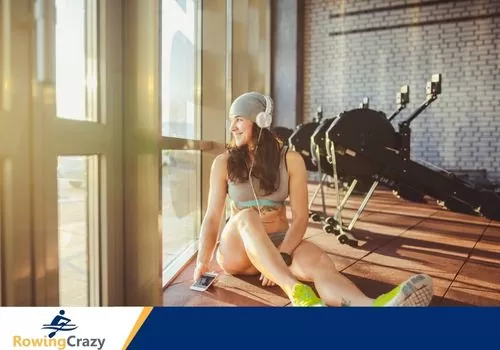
181 132
77 154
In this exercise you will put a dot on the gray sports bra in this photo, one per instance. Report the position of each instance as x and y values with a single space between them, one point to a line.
242 196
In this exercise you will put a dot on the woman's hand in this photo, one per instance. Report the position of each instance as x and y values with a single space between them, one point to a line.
199 270
266 282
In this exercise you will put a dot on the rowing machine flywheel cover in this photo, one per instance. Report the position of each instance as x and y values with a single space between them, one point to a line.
357 133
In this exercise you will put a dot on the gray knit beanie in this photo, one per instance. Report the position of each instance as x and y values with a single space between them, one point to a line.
248 105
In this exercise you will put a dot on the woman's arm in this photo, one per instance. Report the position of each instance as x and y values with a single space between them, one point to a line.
298 201
215 208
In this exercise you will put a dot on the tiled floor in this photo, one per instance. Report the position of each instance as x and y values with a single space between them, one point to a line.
397 239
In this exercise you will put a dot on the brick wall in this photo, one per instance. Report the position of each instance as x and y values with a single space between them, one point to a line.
347 58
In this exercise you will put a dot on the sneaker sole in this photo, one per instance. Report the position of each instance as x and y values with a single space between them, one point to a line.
417 291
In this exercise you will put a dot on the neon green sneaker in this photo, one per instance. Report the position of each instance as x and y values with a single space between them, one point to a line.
303 295
415 291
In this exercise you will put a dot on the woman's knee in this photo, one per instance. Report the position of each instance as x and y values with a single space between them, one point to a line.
308 259
247 215
248 220
314 256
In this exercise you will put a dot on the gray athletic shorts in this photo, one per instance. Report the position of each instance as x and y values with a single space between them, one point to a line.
277 237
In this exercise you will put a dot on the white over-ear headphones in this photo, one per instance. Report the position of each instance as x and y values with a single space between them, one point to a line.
265 119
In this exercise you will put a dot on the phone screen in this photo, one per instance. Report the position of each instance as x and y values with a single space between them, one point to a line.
205 280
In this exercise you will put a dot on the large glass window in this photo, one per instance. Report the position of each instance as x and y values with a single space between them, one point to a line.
178 66
181 202
76 52
77 176
77 234
181 180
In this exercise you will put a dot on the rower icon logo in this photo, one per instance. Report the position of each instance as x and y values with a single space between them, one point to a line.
59 323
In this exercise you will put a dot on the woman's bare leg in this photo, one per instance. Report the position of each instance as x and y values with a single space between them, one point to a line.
312 264
245 247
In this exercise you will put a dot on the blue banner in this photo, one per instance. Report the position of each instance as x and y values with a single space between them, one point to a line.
325 328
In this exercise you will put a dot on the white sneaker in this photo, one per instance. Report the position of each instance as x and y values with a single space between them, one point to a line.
415 291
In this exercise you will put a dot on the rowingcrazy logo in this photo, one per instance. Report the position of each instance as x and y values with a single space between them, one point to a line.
57 336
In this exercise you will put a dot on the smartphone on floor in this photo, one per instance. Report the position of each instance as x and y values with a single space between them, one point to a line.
204 282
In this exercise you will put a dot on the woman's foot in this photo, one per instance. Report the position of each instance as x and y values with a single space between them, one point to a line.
415 291
303 295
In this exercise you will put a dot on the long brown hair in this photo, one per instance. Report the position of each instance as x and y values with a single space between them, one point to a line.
267 160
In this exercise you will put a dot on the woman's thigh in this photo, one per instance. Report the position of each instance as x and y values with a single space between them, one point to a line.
231 255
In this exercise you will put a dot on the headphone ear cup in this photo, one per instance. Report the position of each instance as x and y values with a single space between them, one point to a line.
264 120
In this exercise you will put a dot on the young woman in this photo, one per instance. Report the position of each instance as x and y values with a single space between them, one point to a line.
258 174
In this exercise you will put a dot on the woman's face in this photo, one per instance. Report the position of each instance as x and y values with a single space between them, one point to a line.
241 129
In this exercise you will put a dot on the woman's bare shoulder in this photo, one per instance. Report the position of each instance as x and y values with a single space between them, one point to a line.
294 161
220 162
222 157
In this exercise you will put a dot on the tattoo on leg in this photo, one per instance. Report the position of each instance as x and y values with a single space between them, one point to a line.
345 302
